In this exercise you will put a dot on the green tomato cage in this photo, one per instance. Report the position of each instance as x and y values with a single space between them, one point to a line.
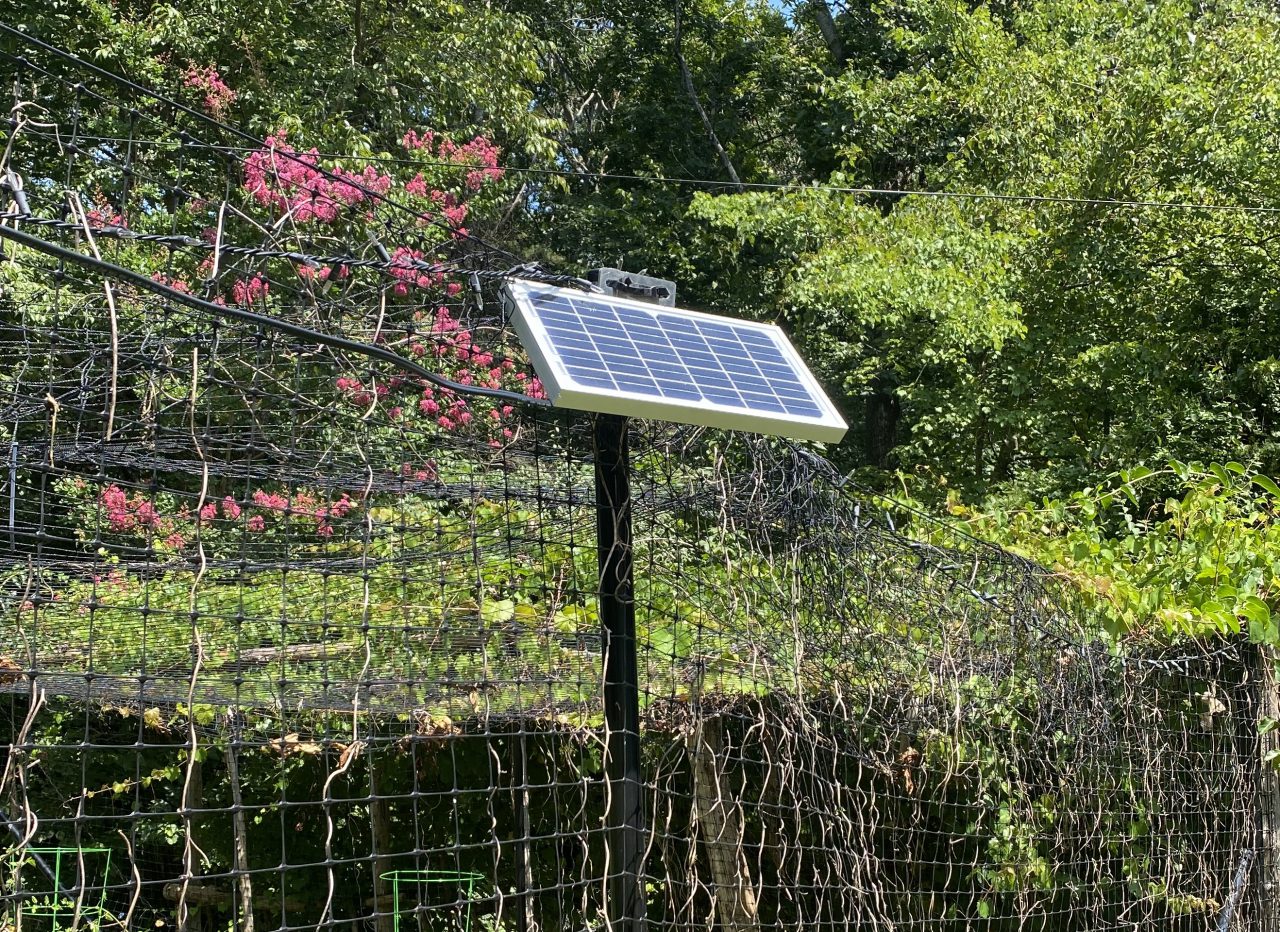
54 898
422 880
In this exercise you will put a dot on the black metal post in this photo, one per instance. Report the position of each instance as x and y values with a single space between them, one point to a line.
625 905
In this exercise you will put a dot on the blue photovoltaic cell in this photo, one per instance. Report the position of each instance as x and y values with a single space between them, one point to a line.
671 356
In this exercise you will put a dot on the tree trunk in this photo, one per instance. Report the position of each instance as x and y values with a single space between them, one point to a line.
827 26
883 412
525 921
244 882
686 77
380 823
193 800
719 825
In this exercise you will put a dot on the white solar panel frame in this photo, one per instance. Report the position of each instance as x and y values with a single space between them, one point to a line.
566 392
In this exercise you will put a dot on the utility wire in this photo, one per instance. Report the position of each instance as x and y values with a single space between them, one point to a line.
225 127
178 241
791 187
794 187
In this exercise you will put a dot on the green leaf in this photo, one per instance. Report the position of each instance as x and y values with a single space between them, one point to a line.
1267 485
497 611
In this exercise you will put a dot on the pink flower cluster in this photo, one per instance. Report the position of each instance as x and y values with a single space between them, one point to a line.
427 472
324 272
453 211
359 395
479 153
103 214
449 411
303 505
280 177
126 512
247 292
177 284
462 360
230 510
217 95
406 268
138 515
272 501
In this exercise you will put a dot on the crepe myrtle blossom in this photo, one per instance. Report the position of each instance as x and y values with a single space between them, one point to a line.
295 183
217 95
136 514
479 155
418 402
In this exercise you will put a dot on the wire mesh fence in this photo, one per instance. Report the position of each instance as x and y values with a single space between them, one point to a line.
299 623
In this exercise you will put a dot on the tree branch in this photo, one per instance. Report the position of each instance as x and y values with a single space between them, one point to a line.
827 26
687 78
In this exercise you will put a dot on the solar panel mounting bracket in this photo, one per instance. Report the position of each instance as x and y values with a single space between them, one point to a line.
635 285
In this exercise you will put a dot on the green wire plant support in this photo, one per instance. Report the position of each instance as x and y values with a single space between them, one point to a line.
462 879
57 899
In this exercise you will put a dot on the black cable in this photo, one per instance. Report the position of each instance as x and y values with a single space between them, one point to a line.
262 320
529 270
787 187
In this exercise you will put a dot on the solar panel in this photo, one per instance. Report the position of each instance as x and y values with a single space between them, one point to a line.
618 356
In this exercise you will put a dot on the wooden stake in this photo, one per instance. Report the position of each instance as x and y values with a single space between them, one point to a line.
380 825
241 851
719 824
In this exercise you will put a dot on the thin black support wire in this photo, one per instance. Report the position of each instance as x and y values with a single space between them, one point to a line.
796 186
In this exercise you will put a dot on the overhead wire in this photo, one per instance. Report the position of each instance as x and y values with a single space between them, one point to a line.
283 153
263 320
785 187
737 187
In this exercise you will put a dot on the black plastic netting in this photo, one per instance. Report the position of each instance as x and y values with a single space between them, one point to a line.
299 620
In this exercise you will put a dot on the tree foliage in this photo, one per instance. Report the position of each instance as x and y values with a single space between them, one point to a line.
1057 339
991 344
1189 550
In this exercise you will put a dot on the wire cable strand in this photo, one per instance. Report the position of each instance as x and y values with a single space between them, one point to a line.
262 320
784 187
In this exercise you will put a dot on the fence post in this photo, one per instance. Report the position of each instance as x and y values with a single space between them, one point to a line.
624 890
625 906
1268 790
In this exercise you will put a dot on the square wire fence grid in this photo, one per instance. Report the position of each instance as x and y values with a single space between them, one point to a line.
299 621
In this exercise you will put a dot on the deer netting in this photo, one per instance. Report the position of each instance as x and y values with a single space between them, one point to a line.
298 600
